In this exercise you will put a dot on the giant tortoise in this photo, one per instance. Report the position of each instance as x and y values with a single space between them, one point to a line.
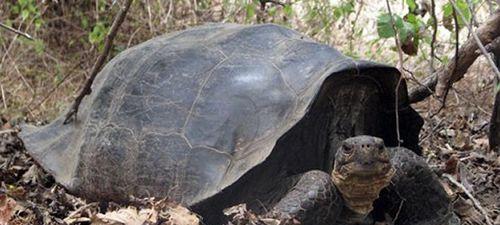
223 114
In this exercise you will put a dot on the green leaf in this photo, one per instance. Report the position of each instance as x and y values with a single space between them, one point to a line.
405 30
411 4
85 22
23 3
98 33
344 9
38 23
386 30
448 19
288 10
250 10
39 46
25 14
384 26
15 9
272 11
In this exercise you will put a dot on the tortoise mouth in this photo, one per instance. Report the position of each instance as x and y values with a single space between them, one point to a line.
363 173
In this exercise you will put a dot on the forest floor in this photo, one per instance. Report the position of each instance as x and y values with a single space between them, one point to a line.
454 142
40 78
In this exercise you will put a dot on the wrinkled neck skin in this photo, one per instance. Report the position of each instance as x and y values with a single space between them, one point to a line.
362 168
359 194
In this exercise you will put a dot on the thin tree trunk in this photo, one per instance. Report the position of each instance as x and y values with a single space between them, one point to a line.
494 137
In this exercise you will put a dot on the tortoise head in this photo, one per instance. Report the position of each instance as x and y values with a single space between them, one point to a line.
362 168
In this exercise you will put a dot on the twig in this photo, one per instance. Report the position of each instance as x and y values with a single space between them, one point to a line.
457 56
150 17
16 31
434 32
7 131
132 37
401 66
79 210
25 82
399 211
4 100
49 93
474 200
100 62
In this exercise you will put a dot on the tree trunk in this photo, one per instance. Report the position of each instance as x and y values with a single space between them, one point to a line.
494 137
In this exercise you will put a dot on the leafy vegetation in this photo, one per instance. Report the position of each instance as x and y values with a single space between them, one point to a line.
69 35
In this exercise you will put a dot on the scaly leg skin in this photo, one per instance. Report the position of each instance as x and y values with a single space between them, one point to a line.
314 200
415 195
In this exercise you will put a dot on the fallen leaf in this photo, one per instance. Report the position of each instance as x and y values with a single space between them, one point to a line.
450 166
126 216
7 206
179 215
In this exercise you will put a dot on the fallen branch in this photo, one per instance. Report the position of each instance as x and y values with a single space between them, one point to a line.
474 200
16 31
4 99
8 131
73 111
467 54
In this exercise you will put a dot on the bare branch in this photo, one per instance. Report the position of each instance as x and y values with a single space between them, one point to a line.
434 32
16 31
401 67
479 44
4 99
99 63
444 94
487 32
7 131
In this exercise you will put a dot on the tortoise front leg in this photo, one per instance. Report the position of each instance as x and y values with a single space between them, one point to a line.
415 195
314 200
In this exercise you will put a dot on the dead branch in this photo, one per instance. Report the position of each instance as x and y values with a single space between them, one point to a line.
494 135
16 31
99 63
467 54
434 32
478 42
7 131
4 99
474 200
